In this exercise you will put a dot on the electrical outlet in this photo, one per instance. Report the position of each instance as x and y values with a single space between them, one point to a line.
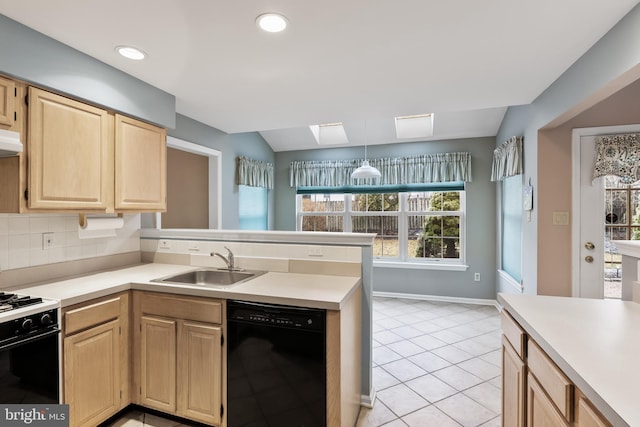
164 244
47 240
315 251
476 277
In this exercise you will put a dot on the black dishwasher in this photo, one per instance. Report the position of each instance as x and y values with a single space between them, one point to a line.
276 368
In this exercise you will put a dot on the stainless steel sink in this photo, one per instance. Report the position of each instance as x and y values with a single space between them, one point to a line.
210 277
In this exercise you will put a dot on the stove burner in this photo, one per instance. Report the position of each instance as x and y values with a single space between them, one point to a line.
12 301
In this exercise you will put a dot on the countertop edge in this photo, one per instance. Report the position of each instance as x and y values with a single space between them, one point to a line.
125 284
607 411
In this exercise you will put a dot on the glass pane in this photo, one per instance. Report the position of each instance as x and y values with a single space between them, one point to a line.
616 233
431 248
635 233
418 202
451 247
635 207
386 228
322 223
437 237
616 207
322 203
252 207
512 226
440 201
374 202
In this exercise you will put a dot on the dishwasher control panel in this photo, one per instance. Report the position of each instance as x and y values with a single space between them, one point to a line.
276 315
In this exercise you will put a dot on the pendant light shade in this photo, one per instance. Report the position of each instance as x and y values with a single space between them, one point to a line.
365 171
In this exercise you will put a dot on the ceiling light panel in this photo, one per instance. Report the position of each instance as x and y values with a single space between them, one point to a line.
272 22
329 134
417 126
130 52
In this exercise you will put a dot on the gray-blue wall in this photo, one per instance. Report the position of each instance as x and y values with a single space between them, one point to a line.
33 57
480 221
612 62
240 144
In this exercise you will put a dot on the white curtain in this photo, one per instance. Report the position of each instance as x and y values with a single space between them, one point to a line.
618 155
254 173
507 159
427 168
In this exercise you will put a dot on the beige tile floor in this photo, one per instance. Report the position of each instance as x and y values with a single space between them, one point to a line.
434 364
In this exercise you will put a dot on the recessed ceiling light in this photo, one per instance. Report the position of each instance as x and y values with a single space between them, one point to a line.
271 22
131 52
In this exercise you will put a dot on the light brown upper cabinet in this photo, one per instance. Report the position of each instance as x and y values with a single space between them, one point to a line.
79 158
70 153
140 165
7 102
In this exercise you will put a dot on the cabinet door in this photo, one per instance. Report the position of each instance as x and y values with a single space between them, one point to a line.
92 374
589 417
513 386
158 363
540 410
69 152
141 165
200 372
7 102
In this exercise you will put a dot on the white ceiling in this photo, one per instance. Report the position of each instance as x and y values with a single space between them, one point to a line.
359 62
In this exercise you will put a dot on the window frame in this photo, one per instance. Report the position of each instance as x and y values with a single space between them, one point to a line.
403 214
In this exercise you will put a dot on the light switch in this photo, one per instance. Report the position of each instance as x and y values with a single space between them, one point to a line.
561 218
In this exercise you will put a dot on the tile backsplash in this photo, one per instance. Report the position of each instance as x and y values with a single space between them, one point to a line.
22 240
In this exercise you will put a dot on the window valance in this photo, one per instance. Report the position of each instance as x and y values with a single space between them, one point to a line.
507 159
618 155
442 167
254 173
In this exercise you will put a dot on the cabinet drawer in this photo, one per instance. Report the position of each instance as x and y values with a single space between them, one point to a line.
91 315
514 333
198 309
551 378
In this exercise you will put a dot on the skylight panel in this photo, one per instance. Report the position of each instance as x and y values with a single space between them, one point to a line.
329 134
416 126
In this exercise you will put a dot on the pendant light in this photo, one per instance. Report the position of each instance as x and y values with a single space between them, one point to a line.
365 170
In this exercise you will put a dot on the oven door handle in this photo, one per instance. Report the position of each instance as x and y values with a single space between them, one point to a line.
15 342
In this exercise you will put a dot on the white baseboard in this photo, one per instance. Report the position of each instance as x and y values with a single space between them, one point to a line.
459 300
368 401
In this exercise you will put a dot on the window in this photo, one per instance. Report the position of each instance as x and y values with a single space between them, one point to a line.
410 226
252 208
512 226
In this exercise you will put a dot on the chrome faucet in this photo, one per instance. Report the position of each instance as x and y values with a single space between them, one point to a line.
227 260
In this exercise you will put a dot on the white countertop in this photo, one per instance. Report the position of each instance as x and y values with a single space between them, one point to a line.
596 343
303 290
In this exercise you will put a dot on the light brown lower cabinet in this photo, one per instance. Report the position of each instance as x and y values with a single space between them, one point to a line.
513 384
541 411
535 389
96 363
179 359
587 415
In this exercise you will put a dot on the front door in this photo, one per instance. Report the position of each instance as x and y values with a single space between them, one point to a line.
588 212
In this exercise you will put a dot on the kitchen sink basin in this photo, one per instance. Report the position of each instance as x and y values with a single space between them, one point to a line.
210 277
